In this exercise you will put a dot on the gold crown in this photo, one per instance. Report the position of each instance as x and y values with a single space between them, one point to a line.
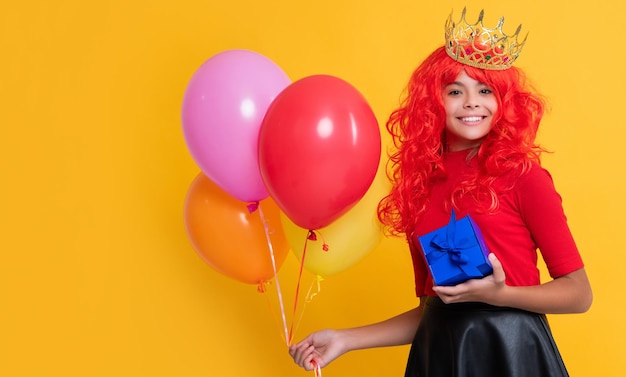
482 47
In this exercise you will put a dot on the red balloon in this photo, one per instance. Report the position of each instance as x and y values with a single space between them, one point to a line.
319 149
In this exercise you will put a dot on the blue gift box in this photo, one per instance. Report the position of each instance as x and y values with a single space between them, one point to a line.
456 252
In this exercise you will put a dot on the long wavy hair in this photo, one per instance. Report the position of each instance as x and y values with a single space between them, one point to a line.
418 131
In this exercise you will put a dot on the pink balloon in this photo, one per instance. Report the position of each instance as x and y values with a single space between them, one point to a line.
223 107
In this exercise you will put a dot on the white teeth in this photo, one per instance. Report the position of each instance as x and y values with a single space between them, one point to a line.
471 119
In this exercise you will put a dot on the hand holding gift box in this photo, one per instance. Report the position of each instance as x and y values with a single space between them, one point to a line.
456 252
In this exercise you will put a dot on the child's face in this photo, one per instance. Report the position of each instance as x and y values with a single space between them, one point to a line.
470 106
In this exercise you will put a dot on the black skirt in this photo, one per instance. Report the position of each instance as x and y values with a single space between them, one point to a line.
480 340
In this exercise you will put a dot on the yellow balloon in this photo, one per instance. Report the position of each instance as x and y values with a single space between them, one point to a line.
349 238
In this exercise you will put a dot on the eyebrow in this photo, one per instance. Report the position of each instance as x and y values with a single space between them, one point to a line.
463 85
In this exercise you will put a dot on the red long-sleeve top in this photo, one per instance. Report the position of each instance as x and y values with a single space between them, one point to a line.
530 217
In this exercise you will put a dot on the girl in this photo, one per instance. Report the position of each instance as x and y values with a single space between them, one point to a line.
465 138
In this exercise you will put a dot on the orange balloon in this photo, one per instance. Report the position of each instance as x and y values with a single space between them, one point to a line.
231 239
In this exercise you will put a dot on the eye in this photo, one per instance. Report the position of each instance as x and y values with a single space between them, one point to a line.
454 92
486 91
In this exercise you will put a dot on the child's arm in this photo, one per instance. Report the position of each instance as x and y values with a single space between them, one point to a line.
326 345
570 293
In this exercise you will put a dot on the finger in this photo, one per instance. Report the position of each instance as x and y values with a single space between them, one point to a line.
450 290
498 271
292 350
310 363
295 350
316 364
445 294
304 356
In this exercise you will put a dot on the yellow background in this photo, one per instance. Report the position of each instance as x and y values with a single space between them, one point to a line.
97 277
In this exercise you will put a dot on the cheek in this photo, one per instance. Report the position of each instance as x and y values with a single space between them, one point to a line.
449 125
451 105
493 106
449 118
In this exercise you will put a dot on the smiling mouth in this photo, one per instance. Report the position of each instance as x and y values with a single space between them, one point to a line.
473 119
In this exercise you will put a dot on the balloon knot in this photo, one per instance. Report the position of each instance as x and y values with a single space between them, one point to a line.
312 236
261 288
253 206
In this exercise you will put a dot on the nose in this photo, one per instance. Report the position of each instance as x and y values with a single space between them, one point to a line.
470 102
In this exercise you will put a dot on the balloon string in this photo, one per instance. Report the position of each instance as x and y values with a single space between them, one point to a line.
316 368
271 307
310 295
278 290
310 236
318 285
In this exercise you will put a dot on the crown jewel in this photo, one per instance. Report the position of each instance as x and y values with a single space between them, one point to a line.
482 47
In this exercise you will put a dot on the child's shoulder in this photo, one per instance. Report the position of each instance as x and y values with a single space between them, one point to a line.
534 178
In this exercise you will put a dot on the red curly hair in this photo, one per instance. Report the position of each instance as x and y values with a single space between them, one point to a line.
417 128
